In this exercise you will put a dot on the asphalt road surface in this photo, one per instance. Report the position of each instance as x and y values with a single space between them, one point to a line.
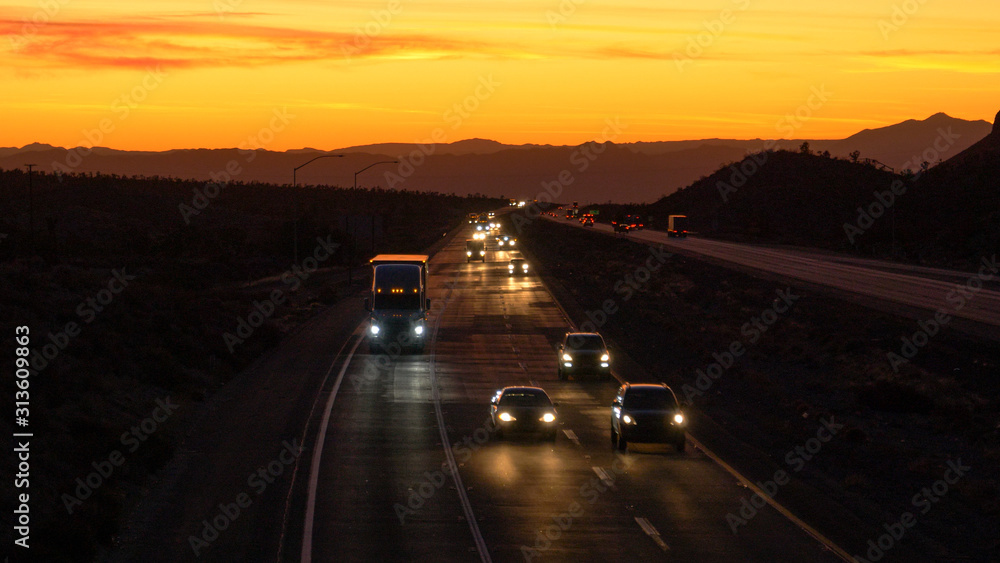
407 471
960 294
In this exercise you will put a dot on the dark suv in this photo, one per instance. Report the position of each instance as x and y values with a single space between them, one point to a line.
647 412
583 352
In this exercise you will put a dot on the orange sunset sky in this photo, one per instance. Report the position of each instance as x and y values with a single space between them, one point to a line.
159 74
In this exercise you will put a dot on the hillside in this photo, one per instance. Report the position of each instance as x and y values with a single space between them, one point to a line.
792 198
947 215
602 172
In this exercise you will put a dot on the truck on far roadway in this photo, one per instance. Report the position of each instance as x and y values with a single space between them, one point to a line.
475 249
398 302
677 226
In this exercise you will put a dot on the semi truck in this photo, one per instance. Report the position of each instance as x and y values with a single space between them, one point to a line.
475 249
398 302
677 226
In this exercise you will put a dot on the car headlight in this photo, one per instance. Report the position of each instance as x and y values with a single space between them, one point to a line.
512 243
628 419
482 253
468 253
375 330
605 357
419 329
501 243
679 418
506 417
548 417
567 358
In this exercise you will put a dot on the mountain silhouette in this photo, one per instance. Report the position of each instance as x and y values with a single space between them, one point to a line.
596 172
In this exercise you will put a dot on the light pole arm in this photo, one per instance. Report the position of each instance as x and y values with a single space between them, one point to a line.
295 202
369 166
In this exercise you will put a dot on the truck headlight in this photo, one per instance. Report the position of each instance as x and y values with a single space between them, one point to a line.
419 329
482 253
375 330
679 418
512 243
628 419
567 358
605 357
468 253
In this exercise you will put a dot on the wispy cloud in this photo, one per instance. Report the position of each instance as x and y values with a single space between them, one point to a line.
200 42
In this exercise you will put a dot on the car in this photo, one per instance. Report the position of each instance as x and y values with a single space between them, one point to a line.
647 412
523 410
517 267
588 222
583 352
506 240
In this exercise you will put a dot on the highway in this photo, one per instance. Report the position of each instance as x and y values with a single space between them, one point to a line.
403 468
964 295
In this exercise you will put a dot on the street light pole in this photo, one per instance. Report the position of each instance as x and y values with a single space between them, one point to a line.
356 187
31 210
295 202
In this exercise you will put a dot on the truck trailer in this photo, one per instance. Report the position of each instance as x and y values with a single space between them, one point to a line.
398 302
677 226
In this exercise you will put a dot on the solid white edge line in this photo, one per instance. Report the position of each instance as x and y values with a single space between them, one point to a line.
463 497
816 535
318 450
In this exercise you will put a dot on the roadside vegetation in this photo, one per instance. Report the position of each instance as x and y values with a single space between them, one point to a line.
814 357
130 297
